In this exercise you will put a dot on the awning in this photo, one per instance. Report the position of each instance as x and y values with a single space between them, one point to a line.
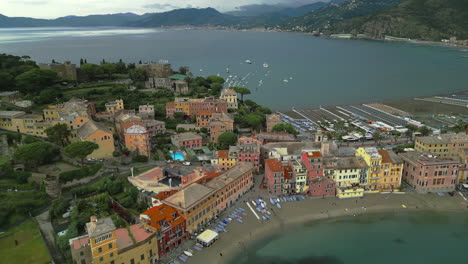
465 186
207 236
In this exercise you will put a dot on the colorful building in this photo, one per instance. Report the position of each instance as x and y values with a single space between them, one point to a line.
313 163
114 106
194 107
429 173
203 118
105 244
230 96
274 175
347 173
322 187
97 133
82 108
442 145
249 151
391 171
225 159
137 139
146 111
187 140
231 185
299 176
218 124
169 226
196 204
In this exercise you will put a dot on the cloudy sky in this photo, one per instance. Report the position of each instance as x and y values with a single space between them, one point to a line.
58 8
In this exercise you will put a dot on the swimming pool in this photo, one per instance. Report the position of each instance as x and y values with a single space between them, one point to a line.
177 155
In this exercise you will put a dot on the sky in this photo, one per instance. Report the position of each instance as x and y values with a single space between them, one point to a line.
59 8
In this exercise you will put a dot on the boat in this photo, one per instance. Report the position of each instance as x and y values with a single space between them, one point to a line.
248 61
188 253
285 80
278 205
265 65
227 70
272 201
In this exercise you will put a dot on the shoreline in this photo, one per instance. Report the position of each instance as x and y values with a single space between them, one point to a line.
296 214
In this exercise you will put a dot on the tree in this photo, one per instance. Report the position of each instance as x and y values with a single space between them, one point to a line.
254 121
81 62
227 139
183 70
285 127
137 74
80 149
242 91
216 87
425 131
48 96
108 69
36 153
59 134
215 79
36 80
90 70
377 137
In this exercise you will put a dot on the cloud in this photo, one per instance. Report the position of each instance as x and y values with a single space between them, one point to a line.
161 6
29 2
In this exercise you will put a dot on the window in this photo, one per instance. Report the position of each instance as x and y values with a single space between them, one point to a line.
83 261
110 245
101 259
81 253
99 250
111 255
132 261
142 256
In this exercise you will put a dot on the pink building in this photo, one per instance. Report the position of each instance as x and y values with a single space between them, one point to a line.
322 187
274 175
187 140
313 163
232 184
249 151
429 173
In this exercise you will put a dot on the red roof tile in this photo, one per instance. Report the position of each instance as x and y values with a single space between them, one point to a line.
79 243
165 213
274 165
223 154
287 172
313 154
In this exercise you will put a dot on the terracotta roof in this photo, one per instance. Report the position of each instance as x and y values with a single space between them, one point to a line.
287 172
123 238
274 165
80 242
140 233
228 92
189 196
230 175
223 154
161 216
313 154
163 195
389 157
153 174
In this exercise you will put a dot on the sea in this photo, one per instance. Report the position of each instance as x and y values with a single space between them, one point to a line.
384 238
303 71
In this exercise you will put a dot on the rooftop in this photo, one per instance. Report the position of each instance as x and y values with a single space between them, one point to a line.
189 196
161 216
187 136
10 113
313 154
136 129
228 91
274 165
273 118
125 239
294 148
340 163
426 158
99 227
230 175
389 156
27 116
89 128
442 139
276 136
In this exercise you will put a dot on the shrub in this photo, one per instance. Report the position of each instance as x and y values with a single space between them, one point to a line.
141 158
79 173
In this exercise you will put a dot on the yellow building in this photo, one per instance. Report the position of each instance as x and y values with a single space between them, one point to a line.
349 191
104 243
225 159
299 176
97 133
73 106
114 106
196 203
385 168
230 96
442 145
31 124
345 171
6 120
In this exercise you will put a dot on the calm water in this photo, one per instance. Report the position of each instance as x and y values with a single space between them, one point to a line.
415 238
318 71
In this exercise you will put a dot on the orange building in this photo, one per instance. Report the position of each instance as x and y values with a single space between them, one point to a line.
203 118
220 123
137 139
97 133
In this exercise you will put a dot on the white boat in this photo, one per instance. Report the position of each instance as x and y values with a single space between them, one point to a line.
188 253
265 65
248 61
227 70
285 80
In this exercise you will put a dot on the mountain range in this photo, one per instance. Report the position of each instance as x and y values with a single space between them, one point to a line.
416 19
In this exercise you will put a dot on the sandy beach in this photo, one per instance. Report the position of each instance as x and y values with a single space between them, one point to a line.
242 235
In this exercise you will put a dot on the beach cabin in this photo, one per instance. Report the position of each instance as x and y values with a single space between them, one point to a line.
207 238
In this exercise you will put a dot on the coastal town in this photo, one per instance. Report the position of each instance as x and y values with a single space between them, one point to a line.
137 182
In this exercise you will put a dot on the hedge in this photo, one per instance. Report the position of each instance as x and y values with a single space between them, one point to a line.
79 173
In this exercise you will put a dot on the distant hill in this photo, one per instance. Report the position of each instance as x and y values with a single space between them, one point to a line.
188 17
323 18
415 19
70 21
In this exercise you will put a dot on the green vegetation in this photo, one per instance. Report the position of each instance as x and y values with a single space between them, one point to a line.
11 67
401 148
80 150
321 19
242 91
80 173
15 206
37 153
227 139
285 127
24 244
59 133
415 19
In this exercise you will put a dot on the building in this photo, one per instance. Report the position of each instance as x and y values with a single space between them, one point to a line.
193 107
373 159
299 175
313 163
322 187
161 69
429 173
203 118
176 83
66 71
114 106
31 124
231 185
249 151
273 120
97 133
136 138
348 190
82 108
218 124
230 96
347 173
285 151
196 204
146 111
106 244
272 137
442 145
187 140
154 127
274 175
6 120
225 159
169 226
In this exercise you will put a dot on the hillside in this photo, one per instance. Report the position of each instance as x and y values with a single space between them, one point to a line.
188 17
415 19
324 18
70 21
